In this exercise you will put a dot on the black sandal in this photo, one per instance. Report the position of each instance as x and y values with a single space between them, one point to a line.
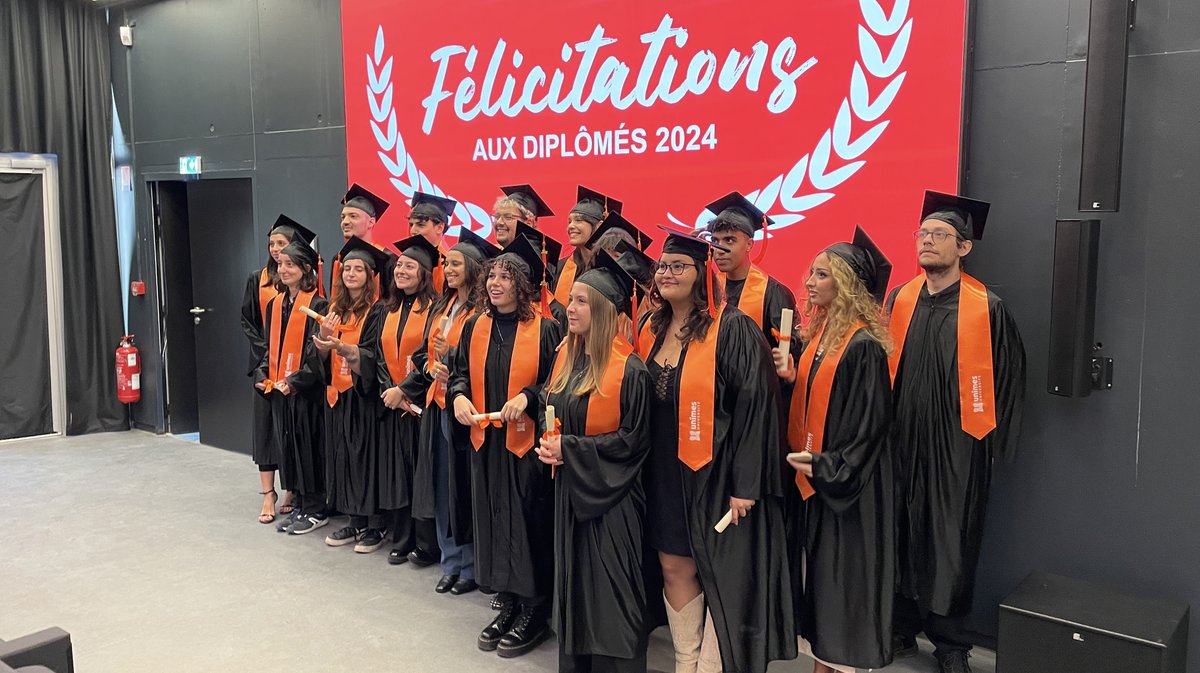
287 507
265 518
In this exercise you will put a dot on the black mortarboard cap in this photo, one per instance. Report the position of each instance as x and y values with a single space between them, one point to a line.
356 248
611 280
637 264
686 244
524 195
437 208
966 215
359 197
867 261
470 243
616 220
593 205
740 212
300 250
293 229
537 238
521 250
419 248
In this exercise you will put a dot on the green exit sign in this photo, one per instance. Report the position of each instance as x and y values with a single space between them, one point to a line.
189 165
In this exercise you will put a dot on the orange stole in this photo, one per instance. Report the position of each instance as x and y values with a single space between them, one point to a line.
976 385
293 338
522 372
562 291
437 391
340 379
697 398
265 295
604 407
397 352
645 340
806 417
754 295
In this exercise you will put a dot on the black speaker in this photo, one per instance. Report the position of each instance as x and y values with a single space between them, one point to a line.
1104 105
1053 624
1073 307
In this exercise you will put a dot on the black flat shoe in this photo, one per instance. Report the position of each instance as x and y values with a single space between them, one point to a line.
397 557
421 558
463 587
528 631
490 637
446 583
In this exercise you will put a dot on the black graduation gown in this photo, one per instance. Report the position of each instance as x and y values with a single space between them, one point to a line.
396 431
416 385
845 608
599 506
512 498
298 420
743 571
350 445
262 448
776 298
943 473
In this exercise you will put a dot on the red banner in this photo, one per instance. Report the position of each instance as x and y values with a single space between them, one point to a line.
825 114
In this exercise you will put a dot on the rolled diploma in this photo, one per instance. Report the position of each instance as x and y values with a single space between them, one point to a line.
785 326
724 522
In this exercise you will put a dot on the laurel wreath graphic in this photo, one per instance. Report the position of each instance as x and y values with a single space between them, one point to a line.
810 182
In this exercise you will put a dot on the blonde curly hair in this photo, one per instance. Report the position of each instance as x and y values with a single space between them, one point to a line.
853 302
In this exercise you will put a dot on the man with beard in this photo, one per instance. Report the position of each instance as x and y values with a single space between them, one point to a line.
958 372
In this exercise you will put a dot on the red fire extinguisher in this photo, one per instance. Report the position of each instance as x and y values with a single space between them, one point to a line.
129 371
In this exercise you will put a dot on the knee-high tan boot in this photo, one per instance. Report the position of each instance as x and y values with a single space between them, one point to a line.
687 631
710 650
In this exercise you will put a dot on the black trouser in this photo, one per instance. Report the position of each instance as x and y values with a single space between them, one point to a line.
376 521
409 533
598 663
946 633
311 503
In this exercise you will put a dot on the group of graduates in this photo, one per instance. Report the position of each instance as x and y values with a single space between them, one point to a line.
576 435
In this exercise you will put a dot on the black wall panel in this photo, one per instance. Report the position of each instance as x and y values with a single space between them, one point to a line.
252 86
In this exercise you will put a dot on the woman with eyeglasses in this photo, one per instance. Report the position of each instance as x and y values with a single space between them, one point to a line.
714 421
842 518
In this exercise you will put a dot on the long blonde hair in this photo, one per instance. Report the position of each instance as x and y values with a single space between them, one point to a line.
598 346
853 302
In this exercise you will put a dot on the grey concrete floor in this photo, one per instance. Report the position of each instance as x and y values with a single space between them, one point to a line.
148 551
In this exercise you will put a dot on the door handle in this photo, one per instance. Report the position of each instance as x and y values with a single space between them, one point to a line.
196 312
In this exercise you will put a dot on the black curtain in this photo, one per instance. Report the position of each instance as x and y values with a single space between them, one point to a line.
25 405
57 99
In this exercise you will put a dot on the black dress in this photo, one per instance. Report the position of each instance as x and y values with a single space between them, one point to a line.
298 420
350 427
599 596
742 571
512 497
262 448
848 532
666 523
